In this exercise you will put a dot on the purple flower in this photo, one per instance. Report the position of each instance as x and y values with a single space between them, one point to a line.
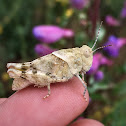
99 75
112 50
111 21
90 99
98 60
95 64
116 43
50 33
112 38
42 50
123 11
103 60
79 4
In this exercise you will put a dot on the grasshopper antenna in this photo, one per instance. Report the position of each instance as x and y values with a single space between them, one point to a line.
97 35
101 48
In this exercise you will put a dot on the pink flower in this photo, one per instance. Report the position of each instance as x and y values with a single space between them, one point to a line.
79 4
95 64
121 42
111 21
98 60
106 61
42 50
50 33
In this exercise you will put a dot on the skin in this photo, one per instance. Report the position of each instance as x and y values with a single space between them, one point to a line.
27 106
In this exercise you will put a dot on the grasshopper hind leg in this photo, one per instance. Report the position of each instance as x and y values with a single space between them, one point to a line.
19 66
20 83
49 92
13 73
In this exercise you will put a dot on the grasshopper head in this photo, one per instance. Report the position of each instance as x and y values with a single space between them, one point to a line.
87 51
87 57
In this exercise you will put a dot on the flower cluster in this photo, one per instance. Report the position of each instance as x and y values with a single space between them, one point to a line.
123 11
98 61
42 49
111 21
79 4
49 34
116 43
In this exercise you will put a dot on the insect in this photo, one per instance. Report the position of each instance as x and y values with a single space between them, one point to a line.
59 66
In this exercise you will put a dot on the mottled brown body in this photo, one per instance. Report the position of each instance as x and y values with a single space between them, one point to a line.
58 66
47 69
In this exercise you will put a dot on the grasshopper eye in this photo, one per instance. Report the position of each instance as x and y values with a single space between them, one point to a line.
86 53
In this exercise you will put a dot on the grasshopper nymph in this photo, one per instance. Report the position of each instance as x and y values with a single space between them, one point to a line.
59 66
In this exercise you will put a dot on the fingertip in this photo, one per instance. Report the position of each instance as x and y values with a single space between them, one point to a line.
87 122
66 101
2 100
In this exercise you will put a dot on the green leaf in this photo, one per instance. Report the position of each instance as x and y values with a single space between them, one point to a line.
97 86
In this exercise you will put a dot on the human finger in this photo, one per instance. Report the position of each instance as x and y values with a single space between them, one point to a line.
86 122
2 100
27 107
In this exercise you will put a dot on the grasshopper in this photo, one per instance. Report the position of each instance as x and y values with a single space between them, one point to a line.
59 66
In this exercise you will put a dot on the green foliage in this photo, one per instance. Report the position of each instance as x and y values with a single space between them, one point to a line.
80 39
2 91
120 90
111 7
98 86
17 28
117 117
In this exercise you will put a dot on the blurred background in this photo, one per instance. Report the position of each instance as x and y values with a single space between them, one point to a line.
30 29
